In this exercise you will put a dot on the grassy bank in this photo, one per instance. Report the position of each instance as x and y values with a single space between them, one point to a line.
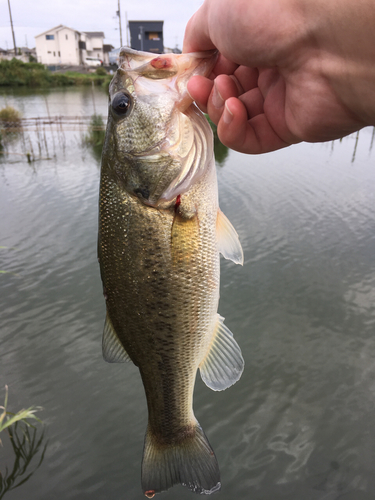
16 73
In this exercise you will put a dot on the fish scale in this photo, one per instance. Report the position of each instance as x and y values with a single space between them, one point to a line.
160 233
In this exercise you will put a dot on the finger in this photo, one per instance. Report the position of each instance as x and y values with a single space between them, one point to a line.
224 88
247 77
197 36
252 136
224 66
200 89
253 101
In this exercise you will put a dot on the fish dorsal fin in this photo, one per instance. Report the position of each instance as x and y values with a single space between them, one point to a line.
113 350
223 364
227 238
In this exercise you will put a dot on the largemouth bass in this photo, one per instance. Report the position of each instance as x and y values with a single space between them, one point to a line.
160 234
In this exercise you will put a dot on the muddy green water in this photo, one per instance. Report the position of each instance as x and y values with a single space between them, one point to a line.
299 425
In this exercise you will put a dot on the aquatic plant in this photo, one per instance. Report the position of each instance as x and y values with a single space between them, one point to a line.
10 118
96 131
25 443
7 418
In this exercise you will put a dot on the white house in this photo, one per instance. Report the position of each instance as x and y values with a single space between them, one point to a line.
94 43
22 53
63 45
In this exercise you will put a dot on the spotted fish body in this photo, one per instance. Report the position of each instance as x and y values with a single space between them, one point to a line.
160 234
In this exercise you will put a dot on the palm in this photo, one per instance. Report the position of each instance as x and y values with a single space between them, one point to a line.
272 110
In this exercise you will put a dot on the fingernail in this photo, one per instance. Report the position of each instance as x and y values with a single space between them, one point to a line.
227 114
217 100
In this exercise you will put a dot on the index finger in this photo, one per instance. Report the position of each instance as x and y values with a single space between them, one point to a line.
197 36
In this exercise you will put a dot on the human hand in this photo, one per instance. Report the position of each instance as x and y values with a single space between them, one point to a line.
283 75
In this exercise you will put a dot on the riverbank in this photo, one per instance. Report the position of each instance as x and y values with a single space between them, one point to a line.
16 73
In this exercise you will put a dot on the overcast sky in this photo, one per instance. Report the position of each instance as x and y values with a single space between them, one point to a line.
31 18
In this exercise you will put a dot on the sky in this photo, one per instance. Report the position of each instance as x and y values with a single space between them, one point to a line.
30 18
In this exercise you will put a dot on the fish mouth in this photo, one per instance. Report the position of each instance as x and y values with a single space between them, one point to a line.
156 74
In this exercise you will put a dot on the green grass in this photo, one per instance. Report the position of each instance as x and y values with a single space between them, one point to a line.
26 442
10 117
8 418
16 73
96 135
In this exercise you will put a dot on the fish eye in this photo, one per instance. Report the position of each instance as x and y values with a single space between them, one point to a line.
121 103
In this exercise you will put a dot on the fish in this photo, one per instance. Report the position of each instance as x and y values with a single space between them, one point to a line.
161 233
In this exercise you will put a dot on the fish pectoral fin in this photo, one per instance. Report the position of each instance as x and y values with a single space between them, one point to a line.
223 364
228 240
113 350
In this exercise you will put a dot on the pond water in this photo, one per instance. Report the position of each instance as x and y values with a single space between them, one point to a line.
300 422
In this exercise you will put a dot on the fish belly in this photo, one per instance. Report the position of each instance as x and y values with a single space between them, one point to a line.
160 271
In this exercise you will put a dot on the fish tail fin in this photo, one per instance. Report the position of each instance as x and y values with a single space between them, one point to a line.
191 462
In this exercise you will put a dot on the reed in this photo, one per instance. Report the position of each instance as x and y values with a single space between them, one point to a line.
8 418
26 441
10 118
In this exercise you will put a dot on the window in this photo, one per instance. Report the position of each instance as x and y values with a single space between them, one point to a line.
152 35
50 37
54 54
49 52
59 53
66 37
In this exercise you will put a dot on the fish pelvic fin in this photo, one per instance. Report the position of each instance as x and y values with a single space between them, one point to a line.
113 350
223 364
228 240
190 462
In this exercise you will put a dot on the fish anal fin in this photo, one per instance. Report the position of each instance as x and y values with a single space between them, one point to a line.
113 350
223 364
190 462
227 238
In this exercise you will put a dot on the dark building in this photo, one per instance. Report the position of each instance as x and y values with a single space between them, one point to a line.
147 36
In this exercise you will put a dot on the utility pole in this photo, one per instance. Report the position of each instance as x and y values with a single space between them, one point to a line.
119 21
140 36
126 27
11 25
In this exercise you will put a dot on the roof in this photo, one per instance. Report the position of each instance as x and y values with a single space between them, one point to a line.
57 28
143 21
93 34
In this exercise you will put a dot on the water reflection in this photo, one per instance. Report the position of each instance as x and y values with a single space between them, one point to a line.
300 422
29 450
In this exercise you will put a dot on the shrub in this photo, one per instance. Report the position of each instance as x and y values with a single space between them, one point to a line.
10 117
15 73
101 71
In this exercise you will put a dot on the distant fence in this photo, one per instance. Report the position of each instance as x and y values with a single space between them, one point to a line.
58 123
42 137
